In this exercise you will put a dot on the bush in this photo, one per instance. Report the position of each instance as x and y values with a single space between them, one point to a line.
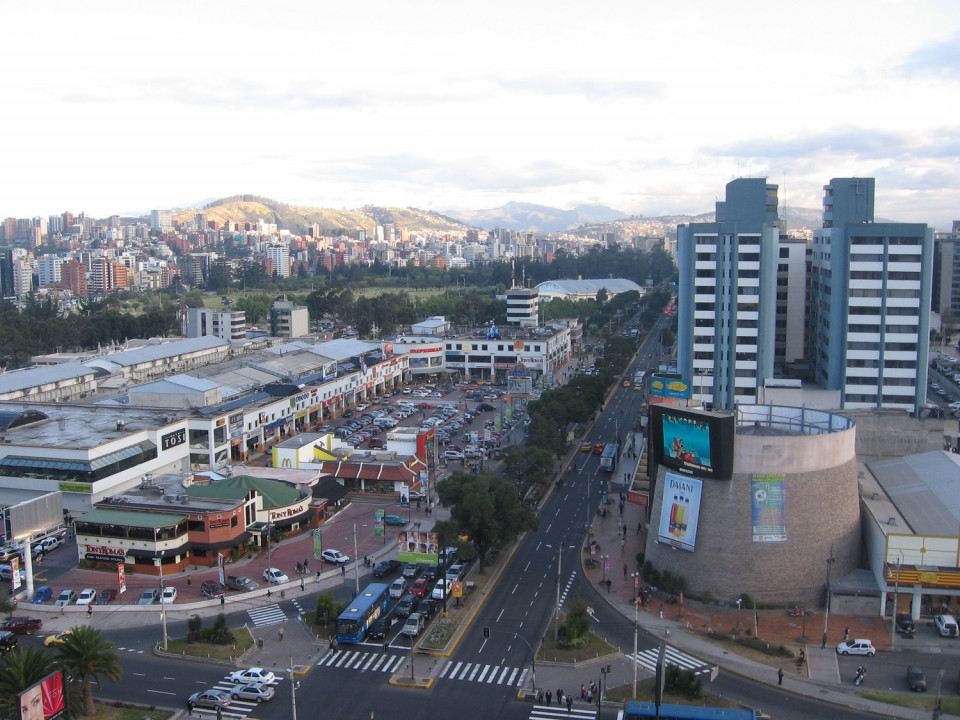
195 629
685 683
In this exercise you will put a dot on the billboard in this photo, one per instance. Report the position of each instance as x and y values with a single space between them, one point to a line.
419 547
35 516
768 507
680 511
45 700
671 387
696 442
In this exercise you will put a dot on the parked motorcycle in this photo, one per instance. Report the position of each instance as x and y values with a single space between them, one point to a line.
861 674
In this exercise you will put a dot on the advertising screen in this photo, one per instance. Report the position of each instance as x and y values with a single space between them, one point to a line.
45 700
696 442
769 507
680 512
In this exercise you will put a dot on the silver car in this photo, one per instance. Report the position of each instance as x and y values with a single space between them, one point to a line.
258 692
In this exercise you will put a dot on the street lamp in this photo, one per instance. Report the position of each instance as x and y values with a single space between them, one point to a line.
896 598
269 530
294 684
636 626
556 615
163 607
739 603
533 662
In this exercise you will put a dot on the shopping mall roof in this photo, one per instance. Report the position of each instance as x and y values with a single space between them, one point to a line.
925 489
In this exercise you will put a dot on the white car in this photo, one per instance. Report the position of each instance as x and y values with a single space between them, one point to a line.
398 587
856 647
169 595
87 596
274 576
452 455
334 556
252 675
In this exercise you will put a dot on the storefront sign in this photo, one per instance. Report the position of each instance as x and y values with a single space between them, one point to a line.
171 440
74 487
214 526
103 558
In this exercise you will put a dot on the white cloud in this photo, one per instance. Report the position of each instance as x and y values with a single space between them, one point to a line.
647 108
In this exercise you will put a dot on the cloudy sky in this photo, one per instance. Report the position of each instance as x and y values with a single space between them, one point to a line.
645 107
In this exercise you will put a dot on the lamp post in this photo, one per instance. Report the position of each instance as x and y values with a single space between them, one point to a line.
294 684
269 529
556 614
356 564
603 561
533 662
636 626
896 598
826 614
739 603
163 607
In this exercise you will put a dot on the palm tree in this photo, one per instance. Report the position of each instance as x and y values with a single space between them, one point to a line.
87 658
21 669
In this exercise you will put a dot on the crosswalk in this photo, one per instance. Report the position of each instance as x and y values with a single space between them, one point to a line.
481 673
268 615
648 659
362 661
237 709
555 712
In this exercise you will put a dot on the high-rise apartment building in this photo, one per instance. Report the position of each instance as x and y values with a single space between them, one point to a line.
161 220
73 277
523 307
224 324
289 320
280 256
48 270
871 287
728 296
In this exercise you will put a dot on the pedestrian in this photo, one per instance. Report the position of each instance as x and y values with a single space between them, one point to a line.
589 695
188 581
343 571
540 695
549 697
639 527
306 565
661 612
301 584
222 601
846 634
559 696
89 610
780 676
624 571
366 561
280 633
569 704
219 713
318 577
583 691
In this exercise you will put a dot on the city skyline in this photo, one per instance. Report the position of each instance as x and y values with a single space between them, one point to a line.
648 110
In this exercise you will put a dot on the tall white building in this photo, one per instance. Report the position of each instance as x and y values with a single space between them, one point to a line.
161 220
224 324
48 270
280 255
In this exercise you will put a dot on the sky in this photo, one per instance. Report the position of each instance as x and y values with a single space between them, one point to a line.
648 108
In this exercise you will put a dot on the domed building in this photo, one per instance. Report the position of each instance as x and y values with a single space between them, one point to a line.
764 501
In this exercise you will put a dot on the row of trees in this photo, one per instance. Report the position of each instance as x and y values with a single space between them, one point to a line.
87 658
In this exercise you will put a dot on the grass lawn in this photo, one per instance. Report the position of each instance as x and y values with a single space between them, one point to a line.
917 701
109 712
624 693
243 643
594 648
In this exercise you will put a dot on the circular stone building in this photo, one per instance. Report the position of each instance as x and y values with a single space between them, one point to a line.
774 528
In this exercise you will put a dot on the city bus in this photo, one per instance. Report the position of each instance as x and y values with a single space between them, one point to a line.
639 710
608 461
355 621
638 379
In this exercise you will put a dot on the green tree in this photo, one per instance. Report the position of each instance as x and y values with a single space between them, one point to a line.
88 658
486 507
577 623
327 608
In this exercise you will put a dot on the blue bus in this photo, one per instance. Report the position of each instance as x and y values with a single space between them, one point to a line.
640 710
608 461
363 611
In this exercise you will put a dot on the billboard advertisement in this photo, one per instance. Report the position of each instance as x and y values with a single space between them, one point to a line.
680 511
768 507
671 387
696 442
419 547
45 700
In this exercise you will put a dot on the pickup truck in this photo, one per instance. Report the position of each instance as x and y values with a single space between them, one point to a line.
241 583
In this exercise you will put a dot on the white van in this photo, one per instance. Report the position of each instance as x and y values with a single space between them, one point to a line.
405 403
946 625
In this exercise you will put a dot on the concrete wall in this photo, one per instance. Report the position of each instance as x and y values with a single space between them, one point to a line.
894 433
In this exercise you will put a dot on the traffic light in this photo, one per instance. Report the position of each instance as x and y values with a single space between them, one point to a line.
486 631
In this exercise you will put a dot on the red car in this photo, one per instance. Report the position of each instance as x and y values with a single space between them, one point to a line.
420 588
598 449
22 625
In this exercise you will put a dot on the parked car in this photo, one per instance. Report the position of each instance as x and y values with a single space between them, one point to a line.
42 594
212 590
452 455
148 597
946 625
334 556
6 573
905 624
377 443
216 699
386 567
22 625
258 692
107 596
916 680
169 595
66 597
859 646
394 520
87 596
251 675
275 576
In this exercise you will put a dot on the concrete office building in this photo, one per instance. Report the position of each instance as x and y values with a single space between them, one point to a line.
523 307
223 324
289 320
871 287
727 296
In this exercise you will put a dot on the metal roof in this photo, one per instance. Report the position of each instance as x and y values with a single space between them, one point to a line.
613 286
275 492
160 351
345 348
176 384
41 375
925 489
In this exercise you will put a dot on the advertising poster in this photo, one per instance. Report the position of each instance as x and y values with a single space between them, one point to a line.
317 544
680 511
45 700
15 569
769 508
669 387
121 579
687 440
419 547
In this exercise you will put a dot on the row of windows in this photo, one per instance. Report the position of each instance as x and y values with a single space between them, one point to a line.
499 348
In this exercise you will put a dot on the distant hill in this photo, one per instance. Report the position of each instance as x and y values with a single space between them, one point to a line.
298 220
522 216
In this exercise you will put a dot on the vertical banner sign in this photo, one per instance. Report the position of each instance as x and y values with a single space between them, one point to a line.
220 568
15 569
317 544
380 529
405 495
680 511
121 579
769 507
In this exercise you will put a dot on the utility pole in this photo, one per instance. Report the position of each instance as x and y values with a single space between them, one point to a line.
896 594
356 564
826 614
